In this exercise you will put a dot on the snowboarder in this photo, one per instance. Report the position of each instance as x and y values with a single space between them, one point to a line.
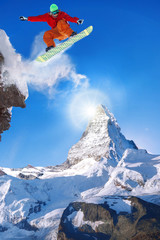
58 21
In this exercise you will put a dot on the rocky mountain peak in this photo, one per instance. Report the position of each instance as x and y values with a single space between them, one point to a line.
102 110
102 138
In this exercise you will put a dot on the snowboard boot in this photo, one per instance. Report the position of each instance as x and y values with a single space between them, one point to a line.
49 48
73 34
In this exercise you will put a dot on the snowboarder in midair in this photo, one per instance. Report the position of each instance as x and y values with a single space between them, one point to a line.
58 21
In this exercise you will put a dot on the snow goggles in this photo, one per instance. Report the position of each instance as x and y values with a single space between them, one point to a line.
55 12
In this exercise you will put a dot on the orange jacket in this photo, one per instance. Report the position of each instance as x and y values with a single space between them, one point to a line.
52 22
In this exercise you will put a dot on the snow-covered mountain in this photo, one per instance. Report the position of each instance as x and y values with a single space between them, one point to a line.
102 138
102 165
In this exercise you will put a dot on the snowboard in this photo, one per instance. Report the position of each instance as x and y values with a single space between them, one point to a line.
46 56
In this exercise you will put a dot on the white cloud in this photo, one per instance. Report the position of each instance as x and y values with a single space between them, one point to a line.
40 76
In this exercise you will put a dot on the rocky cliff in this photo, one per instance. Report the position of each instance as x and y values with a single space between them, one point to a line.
89 221
10 96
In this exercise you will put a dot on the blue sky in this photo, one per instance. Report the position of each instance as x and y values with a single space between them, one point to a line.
121 60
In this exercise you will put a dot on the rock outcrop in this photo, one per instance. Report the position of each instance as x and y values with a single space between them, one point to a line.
10 96
90 221
2 173
26 177
23 224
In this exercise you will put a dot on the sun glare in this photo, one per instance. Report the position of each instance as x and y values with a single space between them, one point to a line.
83 106
89 111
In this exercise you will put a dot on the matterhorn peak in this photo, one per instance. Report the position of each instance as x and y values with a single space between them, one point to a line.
102 110
102 138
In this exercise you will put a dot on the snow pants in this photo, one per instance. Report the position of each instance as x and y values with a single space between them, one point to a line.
60 32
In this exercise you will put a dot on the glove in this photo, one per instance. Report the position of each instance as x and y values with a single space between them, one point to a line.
80 21
23 18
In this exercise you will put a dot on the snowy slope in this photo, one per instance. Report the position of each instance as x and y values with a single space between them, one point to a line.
102 164
137 172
